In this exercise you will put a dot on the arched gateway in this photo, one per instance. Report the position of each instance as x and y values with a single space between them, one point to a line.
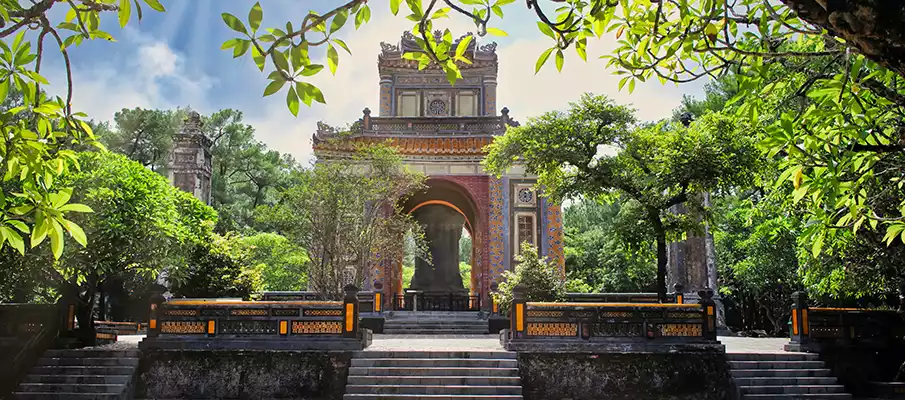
441 130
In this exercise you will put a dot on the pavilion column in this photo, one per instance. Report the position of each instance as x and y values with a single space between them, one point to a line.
490 95
386 95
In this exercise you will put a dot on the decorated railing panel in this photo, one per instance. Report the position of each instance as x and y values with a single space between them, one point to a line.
574 322
846 326
259 318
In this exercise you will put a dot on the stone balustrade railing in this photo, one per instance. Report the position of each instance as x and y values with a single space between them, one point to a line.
565 326
369 301
286 324
816 328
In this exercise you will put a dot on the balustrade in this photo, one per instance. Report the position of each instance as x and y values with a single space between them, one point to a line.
815 327
572 325
258 324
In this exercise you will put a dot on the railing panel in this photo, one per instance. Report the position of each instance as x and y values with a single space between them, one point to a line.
816 327
436 302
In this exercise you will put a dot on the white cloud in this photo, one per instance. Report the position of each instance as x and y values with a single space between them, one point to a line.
144 72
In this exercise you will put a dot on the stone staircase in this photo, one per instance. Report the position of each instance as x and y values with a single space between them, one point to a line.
784 376
80 375
436 323
473 375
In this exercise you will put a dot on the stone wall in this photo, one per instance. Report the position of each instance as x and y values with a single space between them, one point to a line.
237 374
628 376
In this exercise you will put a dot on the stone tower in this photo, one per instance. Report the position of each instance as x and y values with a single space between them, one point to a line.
190 159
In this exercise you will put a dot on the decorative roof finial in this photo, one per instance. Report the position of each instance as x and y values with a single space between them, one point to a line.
192 124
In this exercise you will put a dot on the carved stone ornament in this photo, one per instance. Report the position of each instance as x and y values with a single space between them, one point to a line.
436 107
192 124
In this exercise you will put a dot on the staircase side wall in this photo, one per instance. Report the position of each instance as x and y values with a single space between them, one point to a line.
626 376
242 374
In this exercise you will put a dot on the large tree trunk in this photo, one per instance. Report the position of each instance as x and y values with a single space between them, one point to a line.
660 234
875 28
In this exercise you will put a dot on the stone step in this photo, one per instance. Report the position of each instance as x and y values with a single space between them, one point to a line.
423 314
476 321
369 396
71 388
433 389
436 326
772 357
421 371
779 389
764 373
436 380
509 355
81 370
80 353
434 362
96 361
786 381
78 379
797 396
65 395
776 364
433 332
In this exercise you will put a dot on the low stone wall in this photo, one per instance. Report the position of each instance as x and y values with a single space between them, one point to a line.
857 367
628 376
242 374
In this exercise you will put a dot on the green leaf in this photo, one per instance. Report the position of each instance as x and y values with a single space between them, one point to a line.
76 232
545 29
18 225
292 100
312 69
497 32
241 48
76 207
4 89
462 47
394 6
56 239
125 11
312 91
362 16
332 59
339 20
343 45
14 239
234 23
255 15
259 58
39 233
280 61
559 60
274 87
542 59
155 4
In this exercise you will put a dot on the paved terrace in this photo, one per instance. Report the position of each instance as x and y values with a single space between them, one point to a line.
492 342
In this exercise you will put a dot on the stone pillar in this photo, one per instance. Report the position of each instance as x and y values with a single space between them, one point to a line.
692 264
442 228
489 95
386 95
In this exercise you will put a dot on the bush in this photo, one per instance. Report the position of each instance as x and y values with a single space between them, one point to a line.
539 276
218 268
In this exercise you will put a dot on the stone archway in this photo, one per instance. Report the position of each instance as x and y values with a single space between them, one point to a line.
447 203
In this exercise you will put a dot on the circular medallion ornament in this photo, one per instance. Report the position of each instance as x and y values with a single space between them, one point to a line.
525 195
436 107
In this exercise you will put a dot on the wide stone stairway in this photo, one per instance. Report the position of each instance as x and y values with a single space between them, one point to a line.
80 375
784 376
434 375
435 323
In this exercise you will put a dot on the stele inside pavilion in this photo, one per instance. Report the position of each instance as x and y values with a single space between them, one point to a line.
441 131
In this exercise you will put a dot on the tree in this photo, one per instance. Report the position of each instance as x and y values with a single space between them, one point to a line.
345 211
144 135
283 265
34 155
141 225
537 274
608 247
658 166
217 267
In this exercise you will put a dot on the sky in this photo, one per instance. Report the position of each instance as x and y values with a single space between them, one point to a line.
173 59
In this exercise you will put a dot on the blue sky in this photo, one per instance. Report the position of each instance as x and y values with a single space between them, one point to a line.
174 59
